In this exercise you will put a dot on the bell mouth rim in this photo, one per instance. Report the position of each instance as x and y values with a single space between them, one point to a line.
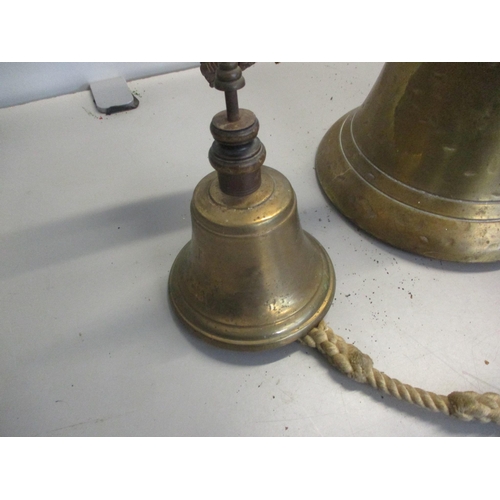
427 228
261 336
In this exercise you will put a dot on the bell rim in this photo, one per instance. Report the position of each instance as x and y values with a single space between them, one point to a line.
429 234
213 331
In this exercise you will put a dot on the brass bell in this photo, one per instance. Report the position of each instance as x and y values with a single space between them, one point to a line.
250 278
418 164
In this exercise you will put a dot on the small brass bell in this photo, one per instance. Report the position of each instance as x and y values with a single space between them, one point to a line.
250 278
418 164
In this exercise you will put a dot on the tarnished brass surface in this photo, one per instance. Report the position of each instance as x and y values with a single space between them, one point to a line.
418 164
250 278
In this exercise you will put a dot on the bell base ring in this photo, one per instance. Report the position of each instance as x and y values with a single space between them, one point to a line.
404 217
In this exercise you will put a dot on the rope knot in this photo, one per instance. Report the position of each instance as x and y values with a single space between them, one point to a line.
347 358
361 363
471 405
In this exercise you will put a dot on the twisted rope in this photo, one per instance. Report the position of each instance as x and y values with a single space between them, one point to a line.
350 361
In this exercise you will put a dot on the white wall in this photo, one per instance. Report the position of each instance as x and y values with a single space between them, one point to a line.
26 82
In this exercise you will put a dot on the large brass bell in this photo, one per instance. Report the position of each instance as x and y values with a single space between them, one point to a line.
418 164
250 278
